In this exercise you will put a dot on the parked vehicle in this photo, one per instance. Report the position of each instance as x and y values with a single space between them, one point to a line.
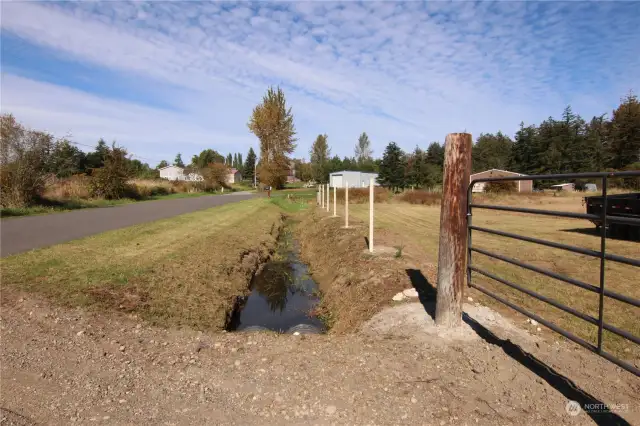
622 205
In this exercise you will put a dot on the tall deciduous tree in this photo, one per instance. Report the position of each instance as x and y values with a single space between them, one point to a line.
249 165
272 122
392 168
205 158
320 153
363 149
178 161
240 164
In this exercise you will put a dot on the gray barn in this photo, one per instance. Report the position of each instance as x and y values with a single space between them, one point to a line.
353 179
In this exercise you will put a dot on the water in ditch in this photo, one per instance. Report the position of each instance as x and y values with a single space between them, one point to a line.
283 296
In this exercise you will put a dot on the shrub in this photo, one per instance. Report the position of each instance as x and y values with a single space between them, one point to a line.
24 156
425 198
110 181
361 195
152 187
215 176
500 187
74 187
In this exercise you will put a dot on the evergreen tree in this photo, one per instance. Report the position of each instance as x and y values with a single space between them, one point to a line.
492 152
96 158
178 161
624 133
320 153
435 154
66 159
229 160
240 165
162 164
392 168
249 165
272 122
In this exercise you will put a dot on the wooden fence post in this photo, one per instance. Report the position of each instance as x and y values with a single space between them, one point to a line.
346 205
371 196
321 196
328 194
335 201
452 255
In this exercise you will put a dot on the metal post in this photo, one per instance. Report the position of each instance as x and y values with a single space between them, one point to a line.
603 239
453 230
371 215
346 205
335 201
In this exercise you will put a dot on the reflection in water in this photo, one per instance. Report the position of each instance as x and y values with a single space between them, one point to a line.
282 295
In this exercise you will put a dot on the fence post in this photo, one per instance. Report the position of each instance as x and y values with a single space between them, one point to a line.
321 196
346 205
371 215
328 194
452 255
335 201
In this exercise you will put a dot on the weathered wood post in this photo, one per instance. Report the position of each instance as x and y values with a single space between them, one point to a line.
335 201
321 196
318 195
371 215
452 255
346 205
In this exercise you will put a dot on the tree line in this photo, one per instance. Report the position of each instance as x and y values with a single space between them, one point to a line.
569 144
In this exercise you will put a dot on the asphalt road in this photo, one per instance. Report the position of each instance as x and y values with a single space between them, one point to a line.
25 233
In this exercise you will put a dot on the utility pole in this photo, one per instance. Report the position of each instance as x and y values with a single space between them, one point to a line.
452 254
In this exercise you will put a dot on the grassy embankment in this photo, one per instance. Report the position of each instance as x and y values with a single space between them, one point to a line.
417 228
186 270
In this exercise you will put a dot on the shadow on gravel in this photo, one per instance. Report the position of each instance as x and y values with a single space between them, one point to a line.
427 294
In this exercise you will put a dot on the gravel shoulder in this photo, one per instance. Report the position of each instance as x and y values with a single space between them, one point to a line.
63 365
21 234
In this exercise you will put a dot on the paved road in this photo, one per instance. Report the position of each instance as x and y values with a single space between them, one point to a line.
21 234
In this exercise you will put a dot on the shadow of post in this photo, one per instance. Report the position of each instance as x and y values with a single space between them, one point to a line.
427 294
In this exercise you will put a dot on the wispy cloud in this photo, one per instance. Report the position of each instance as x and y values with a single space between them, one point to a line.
410 72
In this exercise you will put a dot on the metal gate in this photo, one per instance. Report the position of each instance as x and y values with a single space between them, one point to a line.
603 219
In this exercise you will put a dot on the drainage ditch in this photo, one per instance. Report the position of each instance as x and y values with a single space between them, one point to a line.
283 295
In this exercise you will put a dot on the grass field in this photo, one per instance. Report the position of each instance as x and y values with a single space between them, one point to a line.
185 270
417 228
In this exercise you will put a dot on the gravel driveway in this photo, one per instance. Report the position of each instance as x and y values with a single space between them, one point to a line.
26 233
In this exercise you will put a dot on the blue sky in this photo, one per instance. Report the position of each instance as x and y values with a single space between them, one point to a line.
168 77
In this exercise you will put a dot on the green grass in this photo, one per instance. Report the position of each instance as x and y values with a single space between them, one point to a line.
54 206
185 270
293 200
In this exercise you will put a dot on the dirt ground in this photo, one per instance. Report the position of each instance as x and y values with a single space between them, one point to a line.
62 366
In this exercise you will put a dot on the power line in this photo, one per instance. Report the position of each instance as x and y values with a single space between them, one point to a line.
92 147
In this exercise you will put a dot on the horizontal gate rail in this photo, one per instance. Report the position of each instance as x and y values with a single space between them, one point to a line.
600 219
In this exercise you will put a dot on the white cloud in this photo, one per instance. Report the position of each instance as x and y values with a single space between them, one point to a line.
400 71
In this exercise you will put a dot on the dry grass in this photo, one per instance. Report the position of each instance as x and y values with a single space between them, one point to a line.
418 227
361 195
186 270
354 285
424 198
75 187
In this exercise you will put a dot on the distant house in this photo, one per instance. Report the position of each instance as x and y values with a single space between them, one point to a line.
352 179
234 176
570 187
522 185
178 173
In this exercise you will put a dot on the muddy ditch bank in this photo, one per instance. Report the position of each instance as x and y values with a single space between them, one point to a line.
354 285
282 295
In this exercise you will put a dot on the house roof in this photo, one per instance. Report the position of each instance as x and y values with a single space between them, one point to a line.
168 167
498 170
234 171
353 171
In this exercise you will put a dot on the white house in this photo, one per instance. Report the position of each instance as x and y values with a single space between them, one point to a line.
177 173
